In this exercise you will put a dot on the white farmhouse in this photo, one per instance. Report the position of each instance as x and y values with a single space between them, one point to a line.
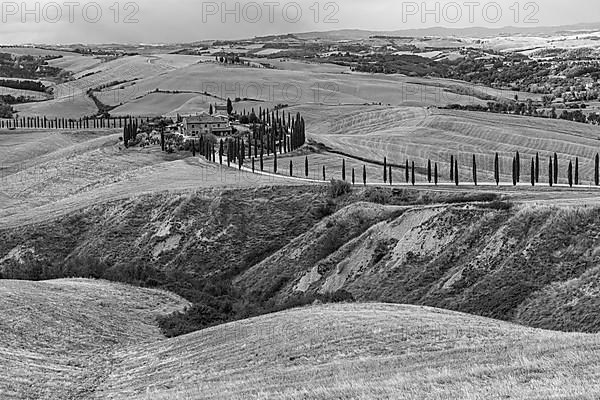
203 124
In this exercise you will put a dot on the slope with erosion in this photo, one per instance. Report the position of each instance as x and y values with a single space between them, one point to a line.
536 265
58 337
206 233
241 251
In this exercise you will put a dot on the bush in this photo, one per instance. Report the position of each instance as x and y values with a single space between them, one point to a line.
84 267
341 296
197 317
339 188
323 210
378 195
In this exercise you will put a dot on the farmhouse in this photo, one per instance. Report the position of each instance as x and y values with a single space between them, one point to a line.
202 124
221 109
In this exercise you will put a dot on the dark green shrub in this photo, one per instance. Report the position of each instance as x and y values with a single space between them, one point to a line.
339 188
378 195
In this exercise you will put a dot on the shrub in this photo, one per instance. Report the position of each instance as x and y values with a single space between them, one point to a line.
378 195
323 210
341 296
338 188
197 317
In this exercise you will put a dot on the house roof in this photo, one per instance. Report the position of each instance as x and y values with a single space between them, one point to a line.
205 119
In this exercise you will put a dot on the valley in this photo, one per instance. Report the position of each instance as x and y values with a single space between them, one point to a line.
324 215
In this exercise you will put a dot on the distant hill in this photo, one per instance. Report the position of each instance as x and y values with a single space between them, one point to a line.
474 32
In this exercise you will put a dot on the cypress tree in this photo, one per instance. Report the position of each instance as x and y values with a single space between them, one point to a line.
435 174
291 169
242 151
391 180
570 174
577 171
550 171
451 168
555 168
597 170
275 162
474 170
221 152
364 175
344 170
532 172
384 169
429 171
353 177
514 171
413 173
497 169
229 152
324 177
518 167
537 167
406 172
262 164
252 164
193 148
456 172
306 167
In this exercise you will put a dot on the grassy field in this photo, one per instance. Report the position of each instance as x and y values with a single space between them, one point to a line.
361 351
420 134
58 336
45 174
291 82
84 340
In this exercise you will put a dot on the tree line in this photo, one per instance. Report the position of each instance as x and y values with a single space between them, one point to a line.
35 86
68 123
271 133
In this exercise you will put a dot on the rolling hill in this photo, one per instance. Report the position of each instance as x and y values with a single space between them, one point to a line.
58 336
243 250
419 134
128 82
100 343
361 351
44 173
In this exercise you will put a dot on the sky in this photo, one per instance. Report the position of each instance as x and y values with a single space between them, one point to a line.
167 21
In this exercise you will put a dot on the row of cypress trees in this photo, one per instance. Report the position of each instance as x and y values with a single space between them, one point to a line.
273 131
573 175
273 134
130 131
68 123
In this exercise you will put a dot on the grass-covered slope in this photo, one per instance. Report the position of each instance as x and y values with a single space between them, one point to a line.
360 351
57 337
419 135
